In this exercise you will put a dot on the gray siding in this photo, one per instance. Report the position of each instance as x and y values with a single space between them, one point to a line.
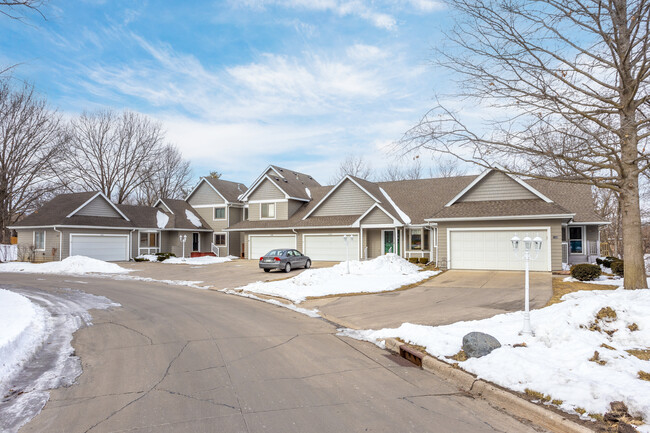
99 207
234 243
348 199
293 206
26 240
497 186
556 235
266 191
377 216
372 238
203 195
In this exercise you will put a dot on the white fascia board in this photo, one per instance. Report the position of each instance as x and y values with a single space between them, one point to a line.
468 187
357 223
306 200
255 184
334 188
99 194
288 228
491 218
590 223
164 204
203 179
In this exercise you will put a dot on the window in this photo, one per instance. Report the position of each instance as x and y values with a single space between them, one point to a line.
416 239
39 240
148 240
220 213
245 214
575 240
268 210
220 239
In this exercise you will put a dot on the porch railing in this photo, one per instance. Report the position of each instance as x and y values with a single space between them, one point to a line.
148 250
214 249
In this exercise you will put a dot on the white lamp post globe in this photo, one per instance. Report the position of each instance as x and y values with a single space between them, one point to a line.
515 243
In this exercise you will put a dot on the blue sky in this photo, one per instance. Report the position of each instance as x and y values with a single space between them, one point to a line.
242 84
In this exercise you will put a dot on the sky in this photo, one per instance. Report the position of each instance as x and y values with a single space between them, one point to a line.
239 85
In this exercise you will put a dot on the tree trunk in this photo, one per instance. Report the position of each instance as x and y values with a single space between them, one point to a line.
634 270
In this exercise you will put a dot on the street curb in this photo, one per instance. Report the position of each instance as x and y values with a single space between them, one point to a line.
508 401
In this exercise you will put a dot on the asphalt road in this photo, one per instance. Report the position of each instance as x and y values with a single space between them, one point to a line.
177 359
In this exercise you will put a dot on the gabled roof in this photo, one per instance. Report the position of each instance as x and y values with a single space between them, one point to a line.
98 195
292 183
227 190
502 208
178 219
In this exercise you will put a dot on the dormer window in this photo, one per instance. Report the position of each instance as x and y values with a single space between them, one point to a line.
267 210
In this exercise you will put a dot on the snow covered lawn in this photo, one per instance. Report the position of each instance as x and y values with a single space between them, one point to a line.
22 330
73 265
206 260
560 360
388 272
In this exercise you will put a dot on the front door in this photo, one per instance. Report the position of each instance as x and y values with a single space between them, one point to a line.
195 242
389 241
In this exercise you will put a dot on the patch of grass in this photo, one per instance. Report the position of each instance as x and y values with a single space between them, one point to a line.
561 288
633 327
643 375
421 349
520 345
596 416
557 402
460 356
537 395
606 346
642 354
579 410
596 359
606 314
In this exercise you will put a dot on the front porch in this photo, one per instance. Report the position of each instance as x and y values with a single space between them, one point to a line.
417 242
580 243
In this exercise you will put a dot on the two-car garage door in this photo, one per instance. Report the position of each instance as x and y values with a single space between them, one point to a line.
492 249
110 248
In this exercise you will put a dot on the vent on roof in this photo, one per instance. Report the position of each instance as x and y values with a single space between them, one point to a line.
285 181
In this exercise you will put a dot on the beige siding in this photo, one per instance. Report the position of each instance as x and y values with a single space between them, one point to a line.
99 207
281 211
207 213
347 199
591 233
556 235
293 206
204 195
497 186
377 216
26 241
266 191
373 241
235 240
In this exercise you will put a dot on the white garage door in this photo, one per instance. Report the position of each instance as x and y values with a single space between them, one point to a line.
262 244
492 249
330 247
110 248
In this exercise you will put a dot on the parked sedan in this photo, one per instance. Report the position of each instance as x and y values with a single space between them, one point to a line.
285 260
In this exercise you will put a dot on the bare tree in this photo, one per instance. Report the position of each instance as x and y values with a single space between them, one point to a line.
447 167
608 206
215 174
353 165
396 171
112 153
15 9
30 140
567 86
171 178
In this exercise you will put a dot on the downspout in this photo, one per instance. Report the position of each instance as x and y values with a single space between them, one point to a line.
60 241
131 244
301 246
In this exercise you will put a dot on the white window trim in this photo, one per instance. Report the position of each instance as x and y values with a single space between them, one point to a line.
275 213
583 230
225 213
549 239
410 246
34 239
225 238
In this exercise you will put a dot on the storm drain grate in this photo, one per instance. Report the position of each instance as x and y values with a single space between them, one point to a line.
410 355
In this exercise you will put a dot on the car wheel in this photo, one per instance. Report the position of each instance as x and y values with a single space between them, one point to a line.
308 264
267 270
287 267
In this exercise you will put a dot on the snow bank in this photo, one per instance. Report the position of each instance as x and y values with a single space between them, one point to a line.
384 273
22 330
162 220
193 218
206 260
556 360
75 265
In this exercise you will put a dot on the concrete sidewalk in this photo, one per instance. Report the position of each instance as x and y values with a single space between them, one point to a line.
452 296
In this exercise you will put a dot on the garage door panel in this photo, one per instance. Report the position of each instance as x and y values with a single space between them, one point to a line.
492 250
260 245
330 247
100 247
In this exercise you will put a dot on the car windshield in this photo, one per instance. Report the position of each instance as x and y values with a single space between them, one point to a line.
275 253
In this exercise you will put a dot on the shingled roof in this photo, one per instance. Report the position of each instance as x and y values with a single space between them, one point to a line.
231 191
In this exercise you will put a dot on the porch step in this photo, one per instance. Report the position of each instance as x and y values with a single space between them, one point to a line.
195 254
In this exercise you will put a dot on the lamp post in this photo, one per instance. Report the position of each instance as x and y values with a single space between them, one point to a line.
183 238
528 244
347 239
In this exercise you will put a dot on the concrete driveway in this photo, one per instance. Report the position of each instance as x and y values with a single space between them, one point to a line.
228 275
452 296
177 359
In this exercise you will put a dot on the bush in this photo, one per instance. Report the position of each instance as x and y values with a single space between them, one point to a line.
139 259
606 263
599 261
617 267
585 272
164 256
413 260
424 260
